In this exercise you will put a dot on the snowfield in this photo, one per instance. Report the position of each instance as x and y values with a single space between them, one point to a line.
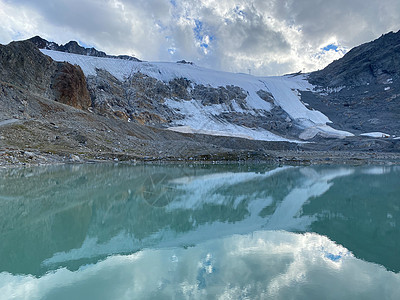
203 119
376 134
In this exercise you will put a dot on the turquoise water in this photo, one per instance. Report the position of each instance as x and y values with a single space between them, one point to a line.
200 232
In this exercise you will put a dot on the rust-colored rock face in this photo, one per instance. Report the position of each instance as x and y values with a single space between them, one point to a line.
149 118
121 115
69 86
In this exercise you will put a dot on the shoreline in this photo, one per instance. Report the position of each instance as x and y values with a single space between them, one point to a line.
21 158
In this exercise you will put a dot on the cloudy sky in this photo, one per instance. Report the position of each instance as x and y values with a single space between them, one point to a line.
269 37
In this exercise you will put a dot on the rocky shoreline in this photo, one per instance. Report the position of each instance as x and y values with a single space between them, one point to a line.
39 131
21 158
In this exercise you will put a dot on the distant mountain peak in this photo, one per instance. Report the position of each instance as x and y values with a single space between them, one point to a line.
75 48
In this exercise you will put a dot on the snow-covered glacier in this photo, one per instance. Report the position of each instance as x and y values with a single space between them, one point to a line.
220 118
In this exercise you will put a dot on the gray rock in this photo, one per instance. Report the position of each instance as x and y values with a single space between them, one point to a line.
266 96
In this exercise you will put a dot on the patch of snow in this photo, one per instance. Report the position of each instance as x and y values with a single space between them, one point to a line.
330 90
204 120
323 131
286 96
376 134
119 68
187 129
389 81
237 108
285 93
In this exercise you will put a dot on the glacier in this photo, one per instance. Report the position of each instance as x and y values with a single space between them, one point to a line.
204 119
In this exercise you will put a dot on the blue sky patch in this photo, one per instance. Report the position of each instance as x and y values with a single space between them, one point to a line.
331 47
333 257
198 29
200 35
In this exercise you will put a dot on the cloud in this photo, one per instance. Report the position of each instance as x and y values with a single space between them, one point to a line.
269 37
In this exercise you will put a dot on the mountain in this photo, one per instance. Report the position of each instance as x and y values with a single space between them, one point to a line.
371 63
360 92
129 109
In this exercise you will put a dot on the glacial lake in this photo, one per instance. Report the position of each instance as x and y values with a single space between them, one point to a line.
200 232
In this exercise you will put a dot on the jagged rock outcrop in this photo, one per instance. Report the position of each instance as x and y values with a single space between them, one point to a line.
266 96
22 65
373 62
74 47
69 85
221 95
140 98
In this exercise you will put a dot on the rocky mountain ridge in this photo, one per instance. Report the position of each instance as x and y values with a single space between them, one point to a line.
74 47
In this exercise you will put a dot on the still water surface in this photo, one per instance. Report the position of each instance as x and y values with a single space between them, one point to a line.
200 232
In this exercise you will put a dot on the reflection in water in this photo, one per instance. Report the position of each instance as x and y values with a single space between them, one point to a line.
266 264
70 217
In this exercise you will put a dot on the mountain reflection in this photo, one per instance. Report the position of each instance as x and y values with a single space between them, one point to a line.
74 215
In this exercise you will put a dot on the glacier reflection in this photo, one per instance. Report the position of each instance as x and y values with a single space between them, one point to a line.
72 216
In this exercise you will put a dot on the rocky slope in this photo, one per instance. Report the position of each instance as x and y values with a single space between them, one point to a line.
361 91
143 99
376 62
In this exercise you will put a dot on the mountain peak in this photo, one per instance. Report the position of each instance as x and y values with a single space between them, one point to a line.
75 48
